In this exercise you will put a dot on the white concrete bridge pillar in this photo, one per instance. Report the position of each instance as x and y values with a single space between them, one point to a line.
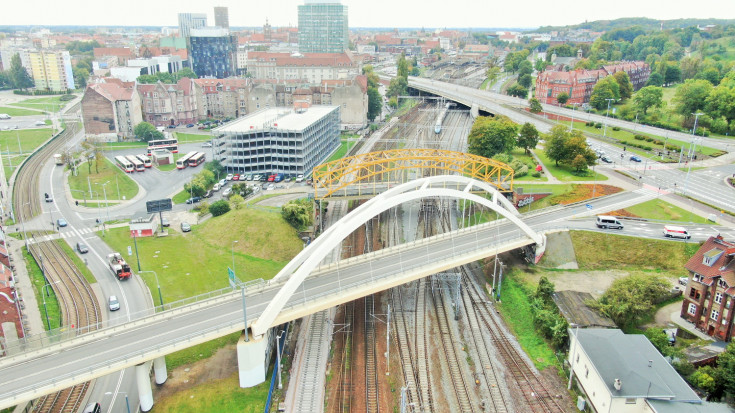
142 375
251 360
159 368
475 111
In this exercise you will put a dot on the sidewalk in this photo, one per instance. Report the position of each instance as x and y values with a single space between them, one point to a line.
32 321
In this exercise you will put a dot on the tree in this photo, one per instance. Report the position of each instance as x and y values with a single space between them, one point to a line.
624 85
518 91
562 98
579 164
606 88
19 77
555 146
524 68
147 132
375 103
195 189
372 78
236 201
564 147
220 207
402 64
491 136
630 298
397 87
216 167
393 102
80 77
655 79
704 379
691 96
186 72
525 81
297 213
540 65
647 97
528 137
492 74
534 105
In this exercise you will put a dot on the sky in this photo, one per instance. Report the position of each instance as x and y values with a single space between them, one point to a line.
361 13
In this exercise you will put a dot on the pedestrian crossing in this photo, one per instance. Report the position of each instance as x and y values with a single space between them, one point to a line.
64 233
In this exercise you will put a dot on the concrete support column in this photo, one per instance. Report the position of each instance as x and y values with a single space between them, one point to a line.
142 375
159 368
251 360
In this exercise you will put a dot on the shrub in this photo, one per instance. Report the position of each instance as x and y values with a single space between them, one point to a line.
616 128
590 124
504 158
639 137
598 125
220 207
536 174
65 98
649 139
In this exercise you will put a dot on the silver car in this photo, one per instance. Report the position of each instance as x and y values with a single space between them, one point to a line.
113 303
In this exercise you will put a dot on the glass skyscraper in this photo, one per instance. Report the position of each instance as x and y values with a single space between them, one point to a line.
323 27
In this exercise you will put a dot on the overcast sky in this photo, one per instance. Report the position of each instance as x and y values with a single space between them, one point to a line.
362 13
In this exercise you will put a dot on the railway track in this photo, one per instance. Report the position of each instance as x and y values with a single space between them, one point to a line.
345 387
79 308
401 329
372 400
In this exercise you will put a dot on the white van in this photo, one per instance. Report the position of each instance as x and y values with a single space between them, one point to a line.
606 221
4 116
676 232
216 187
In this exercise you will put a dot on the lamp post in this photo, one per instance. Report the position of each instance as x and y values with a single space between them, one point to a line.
127 402
232 251
160 296
23 225
278 357
607 114
44 292
135 241
691 153
571 123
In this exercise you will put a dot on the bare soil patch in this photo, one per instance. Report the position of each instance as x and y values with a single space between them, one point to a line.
220 366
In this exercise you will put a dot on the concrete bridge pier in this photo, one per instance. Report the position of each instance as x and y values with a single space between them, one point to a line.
251 359
142 374
540 249
475 111
159 368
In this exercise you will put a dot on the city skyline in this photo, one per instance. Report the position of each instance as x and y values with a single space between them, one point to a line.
377 14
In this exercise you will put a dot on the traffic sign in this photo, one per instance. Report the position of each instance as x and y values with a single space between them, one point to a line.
231 277
159 205
589 206
130 251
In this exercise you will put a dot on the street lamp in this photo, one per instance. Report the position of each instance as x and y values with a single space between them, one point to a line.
104 191
607 114
278 357
691 153
571 123
232 251
127 402
44 292
160 297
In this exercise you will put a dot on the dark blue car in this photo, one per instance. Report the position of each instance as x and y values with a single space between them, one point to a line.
635 158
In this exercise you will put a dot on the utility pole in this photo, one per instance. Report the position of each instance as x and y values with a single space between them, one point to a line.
607 114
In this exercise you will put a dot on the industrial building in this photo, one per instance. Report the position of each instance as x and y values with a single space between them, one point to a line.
279 140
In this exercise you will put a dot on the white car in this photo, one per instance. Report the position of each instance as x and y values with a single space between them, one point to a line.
113 303
227 192
228 177
300 178
270 187
207 145
222 182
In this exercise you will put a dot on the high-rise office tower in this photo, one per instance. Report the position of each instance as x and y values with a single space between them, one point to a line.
221 17
323 27
188 21
213 52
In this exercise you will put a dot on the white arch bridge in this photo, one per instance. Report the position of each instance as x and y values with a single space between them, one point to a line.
42 365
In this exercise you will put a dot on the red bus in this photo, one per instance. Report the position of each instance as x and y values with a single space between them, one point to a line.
171 144
124 164
197 159
183 162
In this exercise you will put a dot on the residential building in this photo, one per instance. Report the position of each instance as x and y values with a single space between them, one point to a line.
221 98
123 54
168 104
578 84
310 67
280 140
188 21
710 291
323 27
51 70
213 52
623 373
111 109
221 17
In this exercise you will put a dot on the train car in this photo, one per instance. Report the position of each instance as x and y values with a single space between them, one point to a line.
139 166
183 162
124 164
197 159
146 160
171 144
440 119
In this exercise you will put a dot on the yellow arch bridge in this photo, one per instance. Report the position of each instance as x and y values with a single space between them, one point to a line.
371 173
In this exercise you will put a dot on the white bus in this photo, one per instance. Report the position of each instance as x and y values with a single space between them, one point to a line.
183 162
124 164
171 144
139 167
146 160
197 159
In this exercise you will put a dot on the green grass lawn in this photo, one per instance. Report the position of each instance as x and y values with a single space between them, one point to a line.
18 111
50 103
516 310
181 197
191 137
125 145
108 172
520 154
38 281
664 211
563 172
219 396
342 151
30 140
631 253
201 257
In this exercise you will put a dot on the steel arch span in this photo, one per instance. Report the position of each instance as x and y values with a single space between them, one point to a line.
333 176
296 271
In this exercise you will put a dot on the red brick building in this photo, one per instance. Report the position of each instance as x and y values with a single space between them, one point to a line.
578 84
708 299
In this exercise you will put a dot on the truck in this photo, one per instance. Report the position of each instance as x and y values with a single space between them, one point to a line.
119 267
58 159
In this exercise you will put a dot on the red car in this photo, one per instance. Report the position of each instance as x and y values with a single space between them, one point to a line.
271 178
236 177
